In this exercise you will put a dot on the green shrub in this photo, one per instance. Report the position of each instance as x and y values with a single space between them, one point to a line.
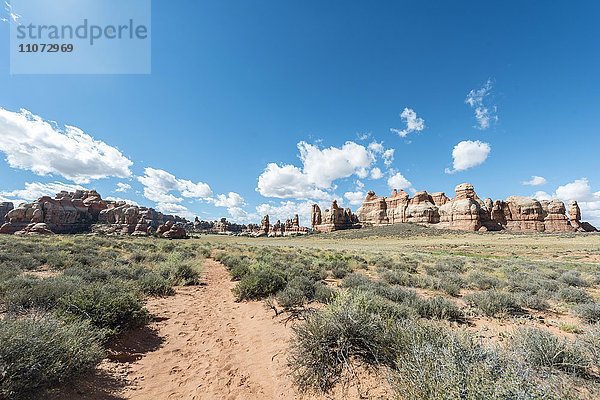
24 293
493 302
589 312
435 364
438 308
542 349
330 339
110 307
591 342
483 281
533 301
573 278
261 282
38 352
180 273
573 295
323 293
154 284
402 278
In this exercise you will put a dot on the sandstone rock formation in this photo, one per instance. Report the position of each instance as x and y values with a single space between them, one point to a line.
466 211
575 217
5 207
334 219
290 227
83 211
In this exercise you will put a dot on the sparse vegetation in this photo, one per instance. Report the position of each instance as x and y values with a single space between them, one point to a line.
65 297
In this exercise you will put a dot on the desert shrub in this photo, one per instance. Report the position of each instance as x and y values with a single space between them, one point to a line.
340 268
483 281
394 293
573 278
259 283
24 293
493 302
534 301
356 280
323 293
573 295
38 352
451 265
449 287
542 349
438 308
589 312
237 266
154 284
325 344
394 277
298 290
434 363
591 342
110 307
180 273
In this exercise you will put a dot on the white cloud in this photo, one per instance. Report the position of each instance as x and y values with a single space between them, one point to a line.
478 99
535 181
320 168
398 181
359 184
35 190
232 199
30 143
287 181
175 209
355 198
363 136
158 185
376 173
413 123
388 157
122 187
581 191
468 154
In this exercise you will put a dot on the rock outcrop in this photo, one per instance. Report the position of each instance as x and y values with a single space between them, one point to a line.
333 219
83 211
467 212
575 217
290 227
5 207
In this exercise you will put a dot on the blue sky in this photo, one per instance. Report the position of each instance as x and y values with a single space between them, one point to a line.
265 106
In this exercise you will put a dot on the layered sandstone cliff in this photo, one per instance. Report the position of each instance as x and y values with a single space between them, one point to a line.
466 211
84 211
333 219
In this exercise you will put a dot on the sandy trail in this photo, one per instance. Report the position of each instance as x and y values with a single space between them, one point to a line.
204 345
214 348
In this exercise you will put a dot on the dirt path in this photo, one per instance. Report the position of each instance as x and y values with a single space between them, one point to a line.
214 348
204 345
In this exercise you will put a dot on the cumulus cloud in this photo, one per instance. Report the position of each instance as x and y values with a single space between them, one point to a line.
36 145
413 123
175 209
468 154
388 157
355 198
479 100
581 191
122 187
232 199
376 173
398 181
159 186
535 181
35 190
320 168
